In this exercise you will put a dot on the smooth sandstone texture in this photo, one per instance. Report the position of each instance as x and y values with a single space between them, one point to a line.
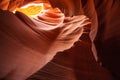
103 39
28 44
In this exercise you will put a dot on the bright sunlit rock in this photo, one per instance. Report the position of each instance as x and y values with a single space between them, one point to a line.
32 10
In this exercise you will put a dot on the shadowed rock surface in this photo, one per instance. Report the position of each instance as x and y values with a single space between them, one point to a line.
105 17
103 36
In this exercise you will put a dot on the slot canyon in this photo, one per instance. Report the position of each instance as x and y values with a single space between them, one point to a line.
59 40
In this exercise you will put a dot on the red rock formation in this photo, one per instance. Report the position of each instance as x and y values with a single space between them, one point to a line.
28 44
101 40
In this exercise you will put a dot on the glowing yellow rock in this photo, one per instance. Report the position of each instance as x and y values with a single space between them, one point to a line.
31 10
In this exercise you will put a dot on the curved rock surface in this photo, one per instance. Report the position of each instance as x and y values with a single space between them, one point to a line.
100 40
